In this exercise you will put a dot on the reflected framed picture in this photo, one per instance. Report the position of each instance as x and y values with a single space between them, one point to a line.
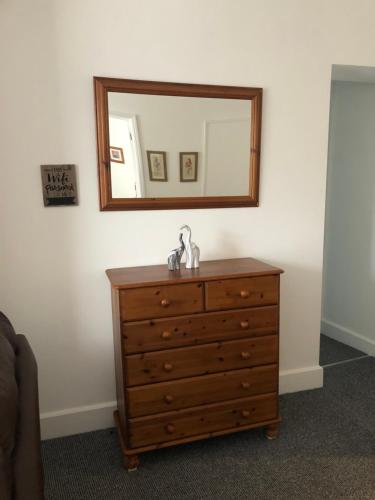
188 167
116 154
157 165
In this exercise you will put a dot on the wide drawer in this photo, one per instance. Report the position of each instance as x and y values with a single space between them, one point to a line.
202 419
242 292
200 360
188 392
160 301
152 335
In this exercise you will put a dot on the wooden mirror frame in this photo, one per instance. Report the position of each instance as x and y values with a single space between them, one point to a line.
107 202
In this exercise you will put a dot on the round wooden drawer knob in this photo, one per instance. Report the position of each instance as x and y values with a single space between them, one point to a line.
245 413
244 324
168 398
244 294
168 367
164 303
245 385
166 335
245 355
170 428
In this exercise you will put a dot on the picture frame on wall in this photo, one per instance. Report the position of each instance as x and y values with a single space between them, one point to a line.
116 154
188 167
59 185
157 165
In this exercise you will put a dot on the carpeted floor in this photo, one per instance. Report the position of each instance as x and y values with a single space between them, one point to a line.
332 351
326 450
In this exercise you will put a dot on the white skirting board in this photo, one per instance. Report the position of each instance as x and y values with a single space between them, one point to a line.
301 379
100 416
348 336
76 420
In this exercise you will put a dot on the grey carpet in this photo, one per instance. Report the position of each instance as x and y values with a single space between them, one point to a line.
332 351
326 450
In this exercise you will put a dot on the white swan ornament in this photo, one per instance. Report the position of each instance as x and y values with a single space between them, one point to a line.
192 250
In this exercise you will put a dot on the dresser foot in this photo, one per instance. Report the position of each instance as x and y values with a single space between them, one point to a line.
131 462
272 431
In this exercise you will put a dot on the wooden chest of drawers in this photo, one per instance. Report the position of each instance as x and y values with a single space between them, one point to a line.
196 352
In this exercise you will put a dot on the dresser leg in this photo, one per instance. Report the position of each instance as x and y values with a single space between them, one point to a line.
131 462
272 431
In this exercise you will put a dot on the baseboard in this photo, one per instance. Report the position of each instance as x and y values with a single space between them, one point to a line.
301 379
77 420
100 416
348 336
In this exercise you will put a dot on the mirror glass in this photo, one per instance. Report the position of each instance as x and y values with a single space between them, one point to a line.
177 146
164 145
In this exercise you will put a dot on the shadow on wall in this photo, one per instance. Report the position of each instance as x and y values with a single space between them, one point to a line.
299 285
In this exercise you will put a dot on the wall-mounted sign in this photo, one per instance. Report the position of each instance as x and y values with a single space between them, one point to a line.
59 185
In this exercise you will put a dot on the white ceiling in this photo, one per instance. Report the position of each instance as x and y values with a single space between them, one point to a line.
362 74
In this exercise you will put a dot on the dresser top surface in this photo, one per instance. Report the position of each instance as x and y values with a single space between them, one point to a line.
132 277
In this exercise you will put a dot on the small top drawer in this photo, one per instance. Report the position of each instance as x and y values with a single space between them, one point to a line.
161 301
242 292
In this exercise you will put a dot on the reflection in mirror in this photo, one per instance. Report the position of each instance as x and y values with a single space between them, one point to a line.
176 145
215 131
127 179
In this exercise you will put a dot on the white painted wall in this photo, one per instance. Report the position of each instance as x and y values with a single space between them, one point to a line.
349 250
52 260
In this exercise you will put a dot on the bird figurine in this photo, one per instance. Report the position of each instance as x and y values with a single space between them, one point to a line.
192 250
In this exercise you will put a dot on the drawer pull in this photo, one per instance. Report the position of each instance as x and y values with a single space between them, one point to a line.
168 367
245 413
166 335
245 385
168 398
244 324
164 303
170 428
245 355
244 294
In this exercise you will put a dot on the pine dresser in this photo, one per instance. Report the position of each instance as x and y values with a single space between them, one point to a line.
196 352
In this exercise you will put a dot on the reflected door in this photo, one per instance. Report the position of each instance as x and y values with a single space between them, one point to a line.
127 172
227 143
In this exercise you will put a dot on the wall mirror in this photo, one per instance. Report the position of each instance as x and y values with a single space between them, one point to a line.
173 145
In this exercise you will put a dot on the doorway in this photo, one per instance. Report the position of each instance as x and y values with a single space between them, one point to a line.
348 305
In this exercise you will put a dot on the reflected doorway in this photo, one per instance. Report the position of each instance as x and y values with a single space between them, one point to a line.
126 173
